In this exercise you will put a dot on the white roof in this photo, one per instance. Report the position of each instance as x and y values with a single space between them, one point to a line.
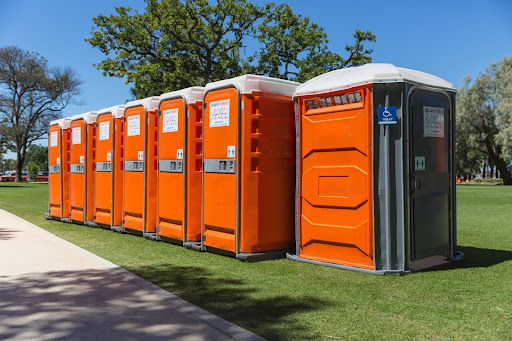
117 111
62 122
150 103
192 94
250 83
88 117
367 74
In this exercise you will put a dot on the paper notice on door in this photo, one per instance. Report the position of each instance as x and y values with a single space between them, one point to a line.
140 155
104 130
170 120
133 123
433 122
109 156
219 113
82 159
76 137
53 139
58 160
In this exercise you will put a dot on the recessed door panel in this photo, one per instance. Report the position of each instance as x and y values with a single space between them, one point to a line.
77 170
220 185
55 169
430 161
171 158
134 157
104 169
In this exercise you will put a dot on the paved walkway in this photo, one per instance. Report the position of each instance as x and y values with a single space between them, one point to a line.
51 289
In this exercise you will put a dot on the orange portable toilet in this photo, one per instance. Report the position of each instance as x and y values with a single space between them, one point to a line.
375 171
81 177
140 164
58 164
108 182
180 166
249 167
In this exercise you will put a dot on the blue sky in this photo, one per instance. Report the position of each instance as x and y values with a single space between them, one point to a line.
446 38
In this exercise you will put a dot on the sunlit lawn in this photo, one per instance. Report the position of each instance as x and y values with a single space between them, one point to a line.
286 300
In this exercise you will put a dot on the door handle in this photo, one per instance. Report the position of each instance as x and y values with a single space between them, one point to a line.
416 183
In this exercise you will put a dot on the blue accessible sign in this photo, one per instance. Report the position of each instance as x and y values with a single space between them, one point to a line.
387 115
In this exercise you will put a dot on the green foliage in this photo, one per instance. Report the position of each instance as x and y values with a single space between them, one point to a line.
32 94
33 169
484 119
175 44
39 155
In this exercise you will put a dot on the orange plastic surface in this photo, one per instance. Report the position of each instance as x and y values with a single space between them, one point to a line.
135 215
117 166
77 180
267 178
170 185
90 170
219 190
54 179
335 182
104 179
65 140
171 191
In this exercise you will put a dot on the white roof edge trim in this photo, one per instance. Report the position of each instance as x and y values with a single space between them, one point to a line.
150 103
343 79
192 94
88 117
250 83
117 110
62 122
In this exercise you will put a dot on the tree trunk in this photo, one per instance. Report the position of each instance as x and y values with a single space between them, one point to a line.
505 174
19 168
484 169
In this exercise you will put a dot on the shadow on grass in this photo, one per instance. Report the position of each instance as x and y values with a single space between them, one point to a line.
271 316
475 257
15 186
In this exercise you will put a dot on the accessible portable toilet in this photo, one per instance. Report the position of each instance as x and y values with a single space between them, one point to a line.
108 181
180 124
81 177
375 172
249 167
58 170
140 164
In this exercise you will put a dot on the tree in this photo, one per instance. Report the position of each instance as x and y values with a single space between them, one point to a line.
39 155
31 95
175 44
484 118
32 170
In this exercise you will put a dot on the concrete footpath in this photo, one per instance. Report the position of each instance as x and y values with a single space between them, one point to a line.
51 289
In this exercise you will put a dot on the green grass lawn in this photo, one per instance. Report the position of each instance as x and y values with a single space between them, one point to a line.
287 300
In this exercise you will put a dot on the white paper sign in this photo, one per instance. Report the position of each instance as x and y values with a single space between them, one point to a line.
433 122
179 154
76 137
104 130
231 151
170 120
58 160
109 156
53 139
140 155
133 125
82 159
219 113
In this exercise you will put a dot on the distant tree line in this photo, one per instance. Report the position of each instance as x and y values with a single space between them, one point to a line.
484 123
